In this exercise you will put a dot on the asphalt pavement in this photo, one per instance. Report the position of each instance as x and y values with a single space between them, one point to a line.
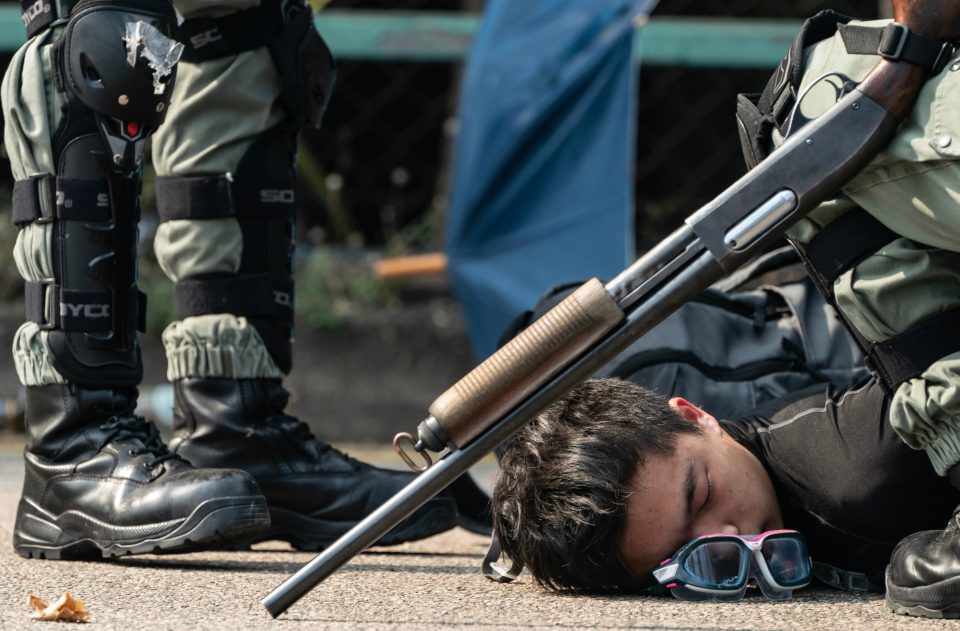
432 584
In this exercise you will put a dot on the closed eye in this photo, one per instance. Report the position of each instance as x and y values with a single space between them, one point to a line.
706 500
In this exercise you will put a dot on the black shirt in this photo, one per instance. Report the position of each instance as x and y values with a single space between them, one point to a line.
843 476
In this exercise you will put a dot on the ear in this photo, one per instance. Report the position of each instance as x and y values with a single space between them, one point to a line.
699 417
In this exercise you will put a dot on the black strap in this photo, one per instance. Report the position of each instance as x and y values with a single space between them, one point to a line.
38 15
493 569
219 196
79 310
200 197
29 197
34 302
757 114
905 356
841 579
45 198
779 96
210 38
247 295
843 244
897 43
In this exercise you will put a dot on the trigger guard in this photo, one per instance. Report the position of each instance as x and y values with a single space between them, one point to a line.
797 120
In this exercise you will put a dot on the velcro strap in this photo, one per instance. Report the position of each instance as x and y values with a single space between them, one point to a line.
45 198
905 356
70 309
209 38
34 199
247 295
844 243
199 197
897 43
219 196
79 310
87 311
35 305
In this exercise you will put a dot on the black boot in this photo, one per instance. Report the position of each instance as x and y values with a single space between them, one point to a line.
923 577
100 482
315 492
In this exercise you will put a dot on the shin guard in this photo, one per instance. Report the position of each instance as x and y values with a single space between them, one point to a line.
258 189
113 67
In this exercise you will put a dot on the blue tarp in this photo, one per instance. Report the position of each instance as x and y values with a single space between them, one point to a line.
542 191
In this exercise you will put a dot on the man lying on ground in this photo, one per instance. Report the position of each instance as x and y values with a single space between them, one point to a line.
613 479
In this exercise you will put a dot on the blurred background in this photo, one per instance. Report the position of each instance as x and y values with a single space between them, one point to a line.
375 183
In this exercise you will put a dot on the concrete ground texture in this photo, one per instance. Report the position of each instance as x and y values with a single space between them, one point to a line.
431 584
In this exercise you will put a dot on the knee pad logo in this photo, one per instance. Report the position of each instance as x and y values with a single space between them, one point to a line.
88 311
276 196
103 200
63 201
34 11
205 38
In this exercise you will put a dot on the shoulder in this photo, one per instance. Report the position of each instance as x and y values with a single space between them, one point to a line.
921 138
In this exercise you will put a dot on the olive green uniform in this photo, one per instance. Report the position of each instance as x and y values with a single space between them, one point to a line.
912 187
218 107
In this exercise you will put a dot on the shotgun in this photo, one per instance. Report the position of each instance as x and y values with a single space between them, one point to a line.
592 325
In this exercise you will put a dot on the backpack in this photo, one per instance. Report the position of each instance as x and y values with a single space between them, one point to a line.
749 339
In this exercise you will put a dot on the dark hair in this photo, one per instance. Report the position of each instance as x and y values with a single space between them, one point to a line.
559 499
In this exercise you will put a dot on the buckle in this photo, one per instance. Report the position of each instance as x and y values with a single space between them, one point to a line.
45 314
893 40
943 57
841 579
926 52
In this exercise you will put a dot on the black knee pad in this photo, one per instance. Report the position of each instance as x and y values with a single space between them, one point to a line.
114 84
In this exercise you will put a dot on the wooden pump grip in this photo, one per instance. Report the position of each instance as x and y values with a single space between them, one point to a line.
540 351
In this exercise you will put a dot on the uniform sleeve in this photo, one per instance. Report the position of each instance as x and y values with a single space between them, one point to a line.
925 412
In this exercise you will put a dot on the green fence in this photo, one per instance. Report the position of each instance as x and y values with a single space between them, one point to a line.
445 37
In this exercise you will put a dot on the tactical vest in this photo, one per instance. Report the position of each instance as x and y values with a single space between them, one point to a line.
853 237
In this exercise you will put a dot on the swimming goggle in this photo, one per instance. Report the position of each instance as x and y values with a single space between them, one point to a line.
719 567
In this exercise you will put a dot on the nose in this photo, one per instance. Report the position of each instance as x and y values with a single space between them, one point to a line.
717 529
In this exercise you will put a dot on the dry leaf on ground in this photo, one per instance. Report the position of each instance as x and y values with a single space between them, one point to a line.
64 609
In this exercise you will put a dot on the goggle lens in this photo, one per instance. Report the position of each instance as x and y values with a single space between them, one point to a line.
716 564
786 559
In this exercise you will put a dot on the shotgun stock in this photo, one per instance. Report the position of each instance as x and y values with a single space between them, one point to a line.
594 324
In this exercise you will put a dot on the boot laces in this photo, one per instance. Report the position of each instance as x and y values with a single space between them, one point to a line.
299 433
145 435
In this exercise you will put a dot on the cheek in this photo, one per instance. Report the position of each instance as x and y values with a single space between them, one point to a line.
739 501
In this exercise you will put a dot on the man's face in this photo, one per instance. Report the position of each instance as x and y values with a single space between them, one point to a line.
710 484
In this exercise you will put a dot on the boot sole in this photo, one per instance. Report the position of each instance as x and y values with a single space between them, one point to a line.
62 537
924 601
308 534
